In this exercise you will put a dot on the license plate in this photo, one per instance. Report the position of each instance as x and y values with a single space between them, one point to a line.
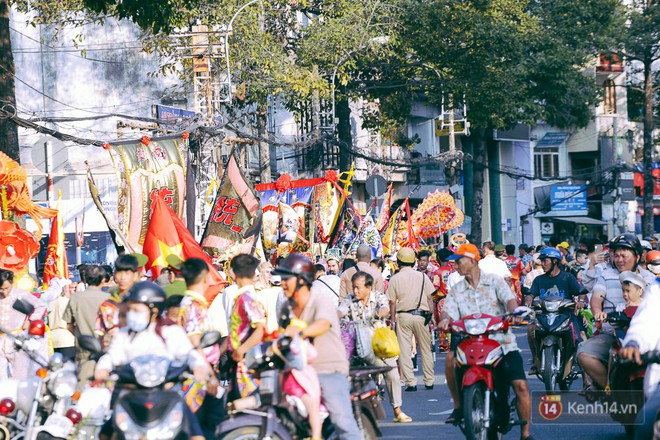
58 426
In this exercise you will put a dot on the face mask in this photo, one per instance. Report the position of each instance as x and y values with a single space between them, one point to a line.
137 321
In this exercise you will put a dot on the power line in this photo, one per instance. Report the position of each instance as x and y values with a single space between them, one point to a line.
64 52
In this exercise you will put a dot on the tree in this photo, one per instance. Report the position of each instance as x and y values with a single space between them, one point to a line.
640 46
8 130
514 61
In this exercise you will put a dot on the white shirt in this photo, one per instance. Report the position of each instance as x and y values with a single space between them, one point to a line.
270 299
329 285
453 279
492 264
228 299
217 314
645 331
127 346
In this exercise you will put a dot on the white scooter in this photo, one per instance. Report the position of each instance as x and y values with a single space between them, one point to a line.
42 405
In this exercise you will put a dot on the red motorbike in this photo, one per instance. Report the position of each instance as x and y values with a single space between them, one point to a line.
487 413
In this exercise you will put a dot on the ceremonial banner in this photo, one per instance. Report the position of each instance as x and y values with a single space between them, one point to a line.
389 234
56 265
384 218
168 235
147 170
235 209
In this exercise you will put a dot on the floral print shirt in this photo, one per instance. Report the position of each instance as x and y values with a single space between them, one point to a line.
355 310
490 298
245 316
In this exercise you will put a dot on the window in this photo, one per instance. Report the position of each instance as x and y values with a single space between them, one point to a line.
609 100
546 162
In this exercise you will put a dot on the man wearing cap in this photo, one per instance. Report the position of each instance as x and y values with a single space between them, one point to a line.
563 248
363 256
493 265
333 266
482 292
411 305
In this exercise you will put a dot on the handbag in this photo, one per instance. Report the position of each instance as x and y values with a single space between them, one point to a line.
385 344
364 334
347 330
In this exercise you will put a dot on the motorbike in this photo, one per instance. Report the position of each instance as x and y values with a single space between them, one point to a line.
270 414
145 406
625 378
556 342
486 413
42 405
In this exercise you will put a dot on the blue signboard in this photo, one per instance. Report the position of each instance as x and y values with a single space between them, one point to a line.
173 114
568 197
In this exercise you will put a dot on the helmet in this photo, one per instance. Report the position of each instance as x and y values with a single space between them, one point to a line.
653 257
646 245
628 241
147 293
296 265
550 252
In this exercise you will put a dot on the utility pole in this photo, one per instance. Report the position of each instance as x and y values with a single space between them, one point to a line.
207 48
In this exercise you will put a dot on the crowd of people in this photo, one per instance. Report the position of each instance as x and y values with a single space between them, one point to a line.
414 293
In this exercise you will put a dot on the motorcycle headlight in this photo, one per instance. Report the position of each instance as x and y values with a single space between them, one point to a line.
126 425
63 383
476 326
150 371
169 427
493 356
551 306
460 357
564 325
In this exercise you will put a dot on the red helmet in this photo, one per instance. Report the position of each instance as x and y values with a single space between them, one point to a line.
296 265
653 257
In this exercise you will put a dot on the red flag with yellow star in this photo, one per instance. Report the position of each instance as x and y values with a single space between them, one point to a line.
167 234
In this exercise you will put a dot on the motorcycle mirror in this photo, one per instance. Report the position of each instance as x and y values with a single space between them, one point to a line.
23 306
284 314
90 343
56 361
210 338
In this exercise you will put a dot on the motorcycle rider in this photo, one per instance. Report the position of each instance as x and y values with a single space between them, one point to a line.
108 316
553 282
481 292
593 354
318 311
653 262
13 363
643 336
147 333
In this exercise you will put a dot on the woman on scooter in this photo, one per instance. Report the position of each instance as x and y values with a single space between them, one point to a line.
147 333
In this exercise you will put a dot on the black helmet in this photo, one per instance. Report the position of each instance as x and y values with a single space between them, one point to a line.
296 265
147 293
627 241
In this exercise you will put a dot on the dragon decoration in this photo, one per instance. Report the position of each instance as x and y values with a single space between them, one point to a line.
18 246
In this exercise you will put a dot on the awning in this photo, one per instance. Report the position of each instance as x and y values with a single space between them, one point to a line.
552 140
581 220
